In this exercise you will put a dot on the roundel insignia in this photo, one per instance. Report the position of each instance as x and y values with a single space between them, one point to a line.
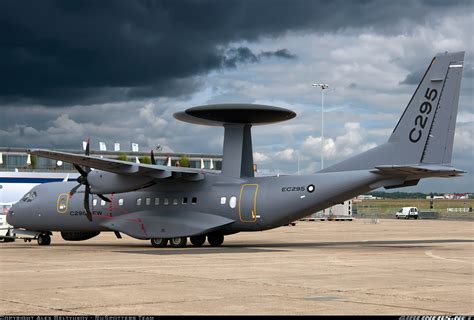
310 188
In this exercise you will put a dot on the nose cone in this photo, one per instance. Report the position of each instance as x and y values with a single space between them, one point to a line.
11 215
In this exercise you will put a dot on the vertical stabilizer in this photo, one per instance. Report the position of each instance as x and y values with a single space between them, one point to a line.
425 131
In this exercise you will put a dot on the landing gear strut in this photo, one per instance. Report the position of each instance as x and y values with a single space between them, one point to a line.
44 239
215 240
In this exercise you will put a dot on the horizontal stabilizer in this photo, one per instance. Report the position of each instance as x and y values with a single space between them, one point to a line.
423 170
151 224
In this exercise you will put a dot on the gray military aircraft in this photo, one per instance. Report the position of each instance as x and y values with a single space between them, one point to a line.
169 204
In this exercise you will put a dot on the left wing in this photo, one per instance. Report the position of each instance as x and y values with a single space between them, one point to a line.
123 167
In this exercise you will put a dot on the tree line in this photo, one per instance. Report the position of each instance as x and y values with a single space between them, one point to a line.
403 195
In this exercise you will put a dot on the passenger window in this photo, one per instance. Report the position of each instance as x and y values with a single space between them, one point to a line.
62 204
139 201
165 201
185 200
148 201
102 203
233 202
94 202
223 200
157 201
175 201
120 202
194 200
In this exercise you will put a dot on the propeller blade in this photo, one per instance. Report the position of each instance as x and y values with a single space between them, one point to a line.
81 171
86 203
103 197
152 157
73 190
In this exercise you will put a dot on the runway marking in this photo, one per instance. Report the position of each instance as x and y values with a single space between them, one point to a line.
429 253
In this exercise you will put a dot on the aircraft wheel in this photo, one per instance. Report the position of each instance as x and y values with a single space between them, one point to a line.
215 240
9 234
44 239
178 242
198 240
159 242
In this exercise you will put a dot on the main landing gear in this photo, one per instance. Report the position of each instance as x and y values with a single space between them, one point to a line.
215 240
44 239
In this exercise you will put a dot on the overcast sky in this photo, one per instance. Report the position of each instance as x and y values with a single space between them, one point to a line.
116 71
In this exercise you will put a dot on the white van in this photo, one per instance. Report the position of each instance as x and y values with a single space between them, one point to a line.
407 213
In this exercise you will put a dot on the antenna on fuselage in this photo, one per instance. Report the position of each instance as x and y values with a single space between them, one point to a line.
237 120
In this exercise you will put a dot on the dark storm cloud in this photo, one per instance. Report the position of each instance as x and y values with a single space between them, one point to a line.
282 53
239 55
245 55
413 77
68 52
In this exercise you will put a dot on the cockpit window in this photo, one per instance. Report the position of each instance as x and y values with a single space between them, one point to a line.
30 196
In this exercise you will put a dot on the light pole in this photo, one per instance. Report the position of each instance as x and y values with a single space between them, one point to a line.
298 154
323 87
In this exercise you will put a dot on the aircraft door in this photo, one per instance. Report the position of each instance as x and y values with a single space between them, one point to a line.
248 203
62 203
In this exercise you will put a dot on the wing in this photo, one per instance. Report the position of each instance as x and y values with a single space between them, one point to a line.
123 167
151 224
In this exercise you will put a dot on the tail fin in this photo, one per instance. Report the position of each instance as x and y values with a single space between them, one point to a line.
425 132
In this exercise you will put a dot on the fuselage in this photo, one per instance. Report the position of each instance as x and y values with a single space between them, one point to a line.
254 204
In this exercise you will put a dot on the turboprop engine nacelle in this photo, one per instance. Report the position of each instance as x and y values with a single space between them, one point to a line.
104 182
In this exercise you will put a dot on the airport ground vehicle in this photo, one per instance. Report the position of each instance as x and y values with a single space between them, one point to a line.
6 230
407 213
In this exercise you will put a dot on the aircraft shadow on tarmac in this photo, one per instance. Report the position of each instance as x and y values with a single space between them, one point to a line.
280 247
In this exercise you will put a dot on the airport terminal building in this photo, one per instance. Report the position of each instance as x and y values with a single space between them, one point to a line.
17 159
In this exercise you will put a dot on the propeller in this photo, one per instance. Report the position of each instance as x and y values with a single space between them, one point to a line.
152 158
82 180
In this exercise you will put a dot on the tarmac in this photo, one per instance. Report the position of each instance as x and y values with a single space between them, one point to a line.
393 267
